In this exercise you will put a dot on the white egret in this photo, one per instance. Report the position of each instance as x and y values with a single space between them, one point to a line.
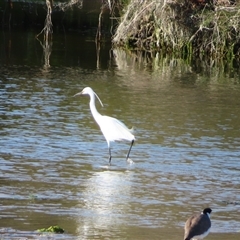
198 226
112 128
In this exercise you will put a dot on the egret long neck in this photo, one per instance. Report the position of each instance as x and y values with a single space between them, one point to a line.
94 111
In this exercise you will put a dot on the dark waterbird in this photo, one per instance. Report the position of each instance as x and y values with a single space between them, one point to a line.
198 226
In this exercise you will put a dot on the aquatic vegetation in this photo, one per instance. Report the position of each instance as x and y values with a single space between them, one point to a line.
52 229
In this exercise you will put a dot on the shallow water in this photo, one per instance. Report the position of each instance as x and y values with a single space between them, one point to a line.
54 160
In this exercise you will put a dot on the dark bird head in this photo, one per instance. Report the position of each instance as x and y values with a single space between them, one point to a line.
207 210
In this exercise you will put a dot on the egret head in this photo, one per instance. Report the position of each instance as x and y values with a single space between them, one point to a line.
90 92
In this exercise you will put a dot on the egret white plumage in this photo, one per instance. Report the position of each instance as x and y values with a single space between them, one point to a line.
198 226
112 128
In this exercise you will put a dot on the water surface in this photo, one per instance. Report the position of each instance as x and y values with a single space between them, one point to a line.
54 160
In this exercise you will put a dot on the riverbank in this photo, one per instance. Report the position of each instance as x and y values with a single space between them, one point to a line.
181 27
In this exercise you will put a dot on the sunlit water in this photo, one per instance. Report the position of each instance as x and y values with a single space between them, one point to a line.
54 160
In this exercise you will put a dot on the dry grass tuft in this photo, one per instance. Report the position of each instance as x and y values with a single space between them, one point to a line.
181 26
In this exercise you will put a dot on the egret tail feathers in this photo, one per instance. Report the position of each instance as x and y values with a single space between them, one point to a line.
132 129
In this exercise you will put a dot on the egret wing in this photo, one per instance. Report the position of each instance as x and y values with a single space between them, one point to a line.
115 130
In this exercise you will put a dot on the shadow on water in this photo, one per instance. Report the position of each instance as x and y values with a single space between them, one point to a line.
54 159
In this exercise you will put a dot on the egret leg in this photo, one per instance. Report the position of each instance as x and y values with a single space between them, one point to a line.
130 149
110 156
